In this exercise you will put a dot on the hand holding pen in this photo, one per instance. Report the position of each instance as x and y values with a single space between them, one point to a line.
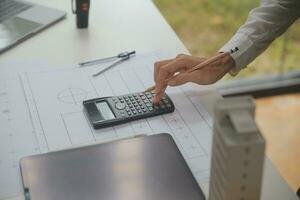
185 68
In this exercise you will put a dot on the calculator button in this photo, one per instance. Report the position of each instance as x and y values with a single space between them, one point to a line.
144 110
121 100
165 101
134 112
168 105
148 104
150 109
120 106
156 107
163 98
139 111
163 106
140 104
123 115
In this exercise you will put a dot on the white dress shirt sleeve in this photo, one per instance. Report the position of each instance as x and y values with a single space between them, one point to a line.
264 24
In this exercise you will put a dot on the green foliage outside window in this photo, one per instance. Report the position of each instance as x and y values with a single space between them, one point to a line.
204 26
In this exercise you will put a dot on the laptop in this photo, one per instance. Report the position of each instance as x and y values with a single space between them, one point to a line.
20 20
141 168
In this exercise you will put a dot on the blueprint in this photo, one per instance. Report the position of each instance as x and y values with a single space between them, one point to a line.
41 111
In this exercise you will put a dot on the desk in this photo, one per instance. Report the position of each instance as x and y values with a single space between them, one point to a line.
116 26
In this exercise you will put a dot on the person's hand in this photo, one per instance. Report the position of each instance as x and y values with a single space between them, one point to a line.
165 69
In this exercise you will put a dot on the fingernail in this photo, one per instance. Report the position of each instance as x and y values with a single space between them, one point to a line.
154 100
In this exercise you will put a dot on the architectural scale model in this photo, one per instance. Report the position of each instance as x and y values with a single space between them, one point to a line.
237 151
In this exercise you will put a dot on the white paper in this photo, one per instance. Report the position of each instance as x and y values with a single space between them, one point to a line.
46 106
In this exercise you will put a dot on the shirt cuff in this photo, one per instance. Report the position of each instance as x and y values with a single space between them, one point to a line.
240 57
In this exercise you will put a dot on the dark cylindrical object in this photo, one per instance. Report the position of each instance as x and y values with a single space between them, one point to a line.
82 13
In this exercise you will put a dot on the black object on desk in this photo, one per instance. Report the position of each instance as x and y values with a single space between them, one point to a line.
81 10
110 111
142 168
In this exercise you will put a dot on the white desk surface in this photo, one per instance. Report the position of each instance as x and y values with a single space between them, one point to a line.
115 26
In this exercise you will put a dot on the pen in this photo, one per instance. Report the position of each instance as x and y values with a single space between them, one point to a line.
201 65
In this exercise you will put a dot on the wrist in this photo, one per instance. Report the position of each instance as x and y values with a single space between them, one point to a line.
228 63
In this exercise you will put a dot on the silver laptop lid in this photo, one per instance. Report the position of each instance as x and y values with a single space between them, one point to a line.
143 168
19 20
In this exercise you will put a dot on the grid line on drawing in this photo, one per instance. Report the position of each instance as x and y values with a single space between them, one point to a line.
72 95
190 131
30 115
198 111
35 107
181 136
68 134
128 88
197 107
92 84
163 118
75 134
113 92
90 127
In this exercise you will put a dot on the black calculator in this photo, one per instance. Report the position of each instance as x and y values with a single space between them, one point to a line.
110 111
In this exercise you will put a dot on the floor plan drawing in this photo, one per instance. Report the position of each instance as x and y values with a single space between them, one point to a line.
50 101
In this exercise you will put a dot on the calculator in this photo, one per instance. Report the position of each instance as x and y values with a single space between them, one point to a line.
110 111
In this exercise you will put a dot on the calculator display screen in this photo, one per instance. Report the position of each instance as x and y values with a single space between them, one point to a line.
105 110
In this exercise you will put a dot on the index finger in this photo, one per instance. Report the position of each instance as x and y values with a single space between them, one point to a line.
159 64
164 73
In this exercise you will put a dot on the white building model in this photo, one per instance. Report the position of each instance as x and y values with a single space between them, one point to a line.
237 151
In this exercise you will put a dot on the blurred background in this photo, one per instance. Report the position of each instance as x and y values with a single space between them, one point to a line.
204 26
